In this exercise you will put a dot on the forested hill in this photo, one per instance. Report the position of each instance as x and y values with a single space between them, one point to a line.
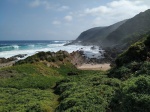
119 34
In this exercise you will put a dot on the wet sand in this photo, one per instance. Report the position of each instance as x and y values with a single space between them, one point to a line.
102 67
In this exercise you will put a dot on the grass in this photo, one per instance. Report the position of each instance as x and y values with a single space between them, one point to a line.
30 76
35 87
29 88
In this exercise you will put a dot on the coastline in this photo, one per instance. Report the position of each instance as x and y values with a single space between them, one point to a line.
83 57
78 59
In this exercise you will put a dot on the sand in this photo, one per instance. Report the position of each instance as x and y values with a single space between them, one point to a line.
102 67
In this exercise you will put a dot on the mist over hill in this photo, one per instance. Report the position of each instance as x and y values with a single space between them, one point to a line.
97 35
120 34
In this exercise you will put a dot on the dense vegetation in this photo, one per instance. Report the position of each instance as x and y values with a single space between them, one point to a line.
28 87
88 92
134 61
32 87
133 68
27 100
41 84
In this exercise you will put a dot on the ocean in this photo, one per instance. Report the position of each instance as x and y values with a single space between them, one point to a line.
12 48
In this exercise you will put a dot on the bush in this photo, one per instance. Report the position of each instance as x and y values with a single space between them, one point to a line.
45 56
144 69
134 96
27 100
147 41
121 73
136 52
87 92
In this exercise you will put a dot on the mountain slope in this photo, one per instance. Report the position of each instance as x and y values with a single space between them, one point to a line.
130 30
89 33
121 34
97 34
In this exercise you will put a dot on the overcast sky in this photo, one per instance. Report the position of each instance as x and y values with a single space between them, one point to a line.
62 19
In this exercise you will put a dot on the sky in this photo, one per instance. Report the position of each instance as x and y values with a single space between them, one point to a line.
62 19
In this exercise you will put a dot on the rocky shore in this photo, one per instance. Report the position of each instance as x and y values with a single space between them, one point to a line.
10 61
78 58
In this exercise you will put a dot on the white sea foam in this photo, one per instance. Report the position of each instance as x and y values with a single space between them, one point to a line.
9 47
15 46
91 53
56 41
54 45
60 41
5 47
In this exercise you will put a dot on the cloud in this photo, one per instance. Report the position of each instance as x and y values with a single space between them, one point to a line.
114 11
47 5
56 22
68 18
37 3
97 10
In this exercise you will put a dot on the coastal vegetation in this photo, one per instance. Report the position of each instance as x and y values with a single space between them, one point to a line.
50 82
107 71
133 69
28 86
40 84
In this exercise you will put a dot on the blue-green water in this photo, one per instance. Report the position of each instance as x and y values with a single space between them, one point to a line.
12 48
27 45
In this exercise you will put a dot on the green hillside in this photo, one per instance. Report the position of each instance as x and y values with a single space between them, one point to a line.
41 84
130 30
133 68
97 35
28 85
120 35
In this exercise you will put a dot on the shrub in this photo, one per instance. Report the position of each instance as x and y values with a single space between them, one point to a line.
144 68
121 73
27 100
87 92
147 41
134 96
136 52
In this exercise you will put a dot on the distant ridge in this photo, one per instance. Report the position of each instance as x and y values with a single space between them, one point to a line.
130 30
97 34
120 34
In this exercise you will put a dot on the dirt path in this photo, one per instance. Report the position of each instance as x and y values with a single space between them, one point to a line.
102 67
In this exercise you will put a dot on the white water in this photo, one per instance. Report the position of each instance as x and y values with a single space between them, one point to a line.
54 48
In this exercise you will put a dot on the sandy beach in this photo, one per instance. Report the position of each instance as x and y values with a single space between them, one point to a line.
102 67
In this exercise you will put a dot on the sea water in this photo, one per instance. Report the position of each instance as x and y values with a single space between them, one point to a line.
12 48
